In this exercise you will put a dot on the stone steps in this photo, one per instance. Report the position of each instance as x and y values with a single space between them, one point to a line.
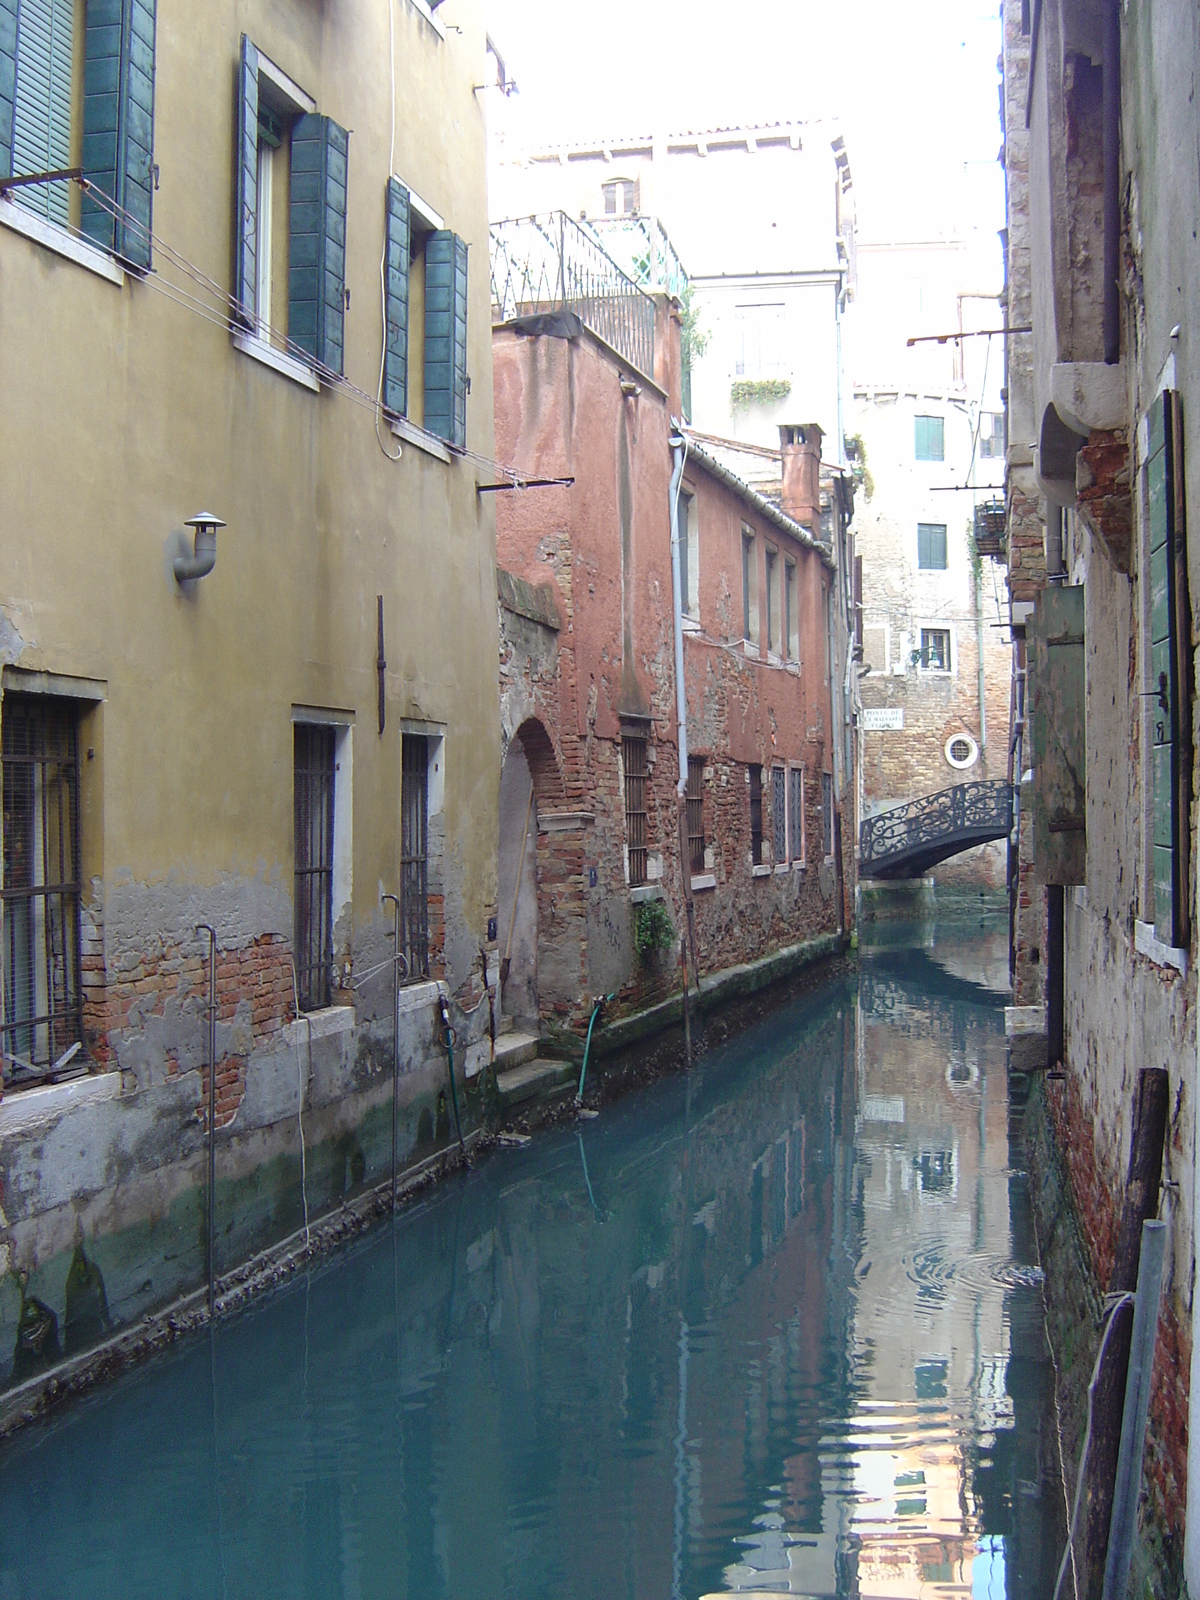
514 1049
538 1078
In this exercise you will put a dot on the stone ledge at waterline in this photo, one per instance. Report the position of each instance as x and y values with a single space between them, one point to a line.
104 1185
716 989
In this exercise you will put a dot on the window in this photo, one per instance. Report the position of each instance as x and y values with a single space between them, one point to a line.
961 750
749 588
779 839
992 439
290 257
756 830
43 1004
108 129
796 814
935 649
930 439
759 342
689 564
791 621
695 813
414 854
620 197
931 546
772 602
425 359
313 799
826 815
633 759
1169 705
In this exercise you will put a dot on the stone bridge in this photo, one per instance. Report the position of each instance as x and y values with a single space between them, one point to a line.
907 841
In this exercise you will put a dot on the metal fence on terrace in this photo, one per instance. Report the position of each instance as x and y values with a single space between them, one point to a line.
551 263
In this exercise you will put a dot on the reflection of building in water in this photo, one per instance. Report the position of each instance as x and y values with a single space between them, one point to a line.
931 1335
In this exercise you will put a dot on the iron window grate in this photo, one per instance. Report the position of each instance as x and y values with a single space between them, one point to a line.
414 855
633 757
313 794
827 814
43 999
779 813
796 812
756 833
695 813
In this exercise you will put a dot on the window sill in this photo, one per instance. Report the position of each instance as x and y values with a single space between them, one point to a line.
420 439
259 350
642 892
751 650
68 245
24 1109
762 871
321 1024
690 624
1148 944
705 880
430 16
782 868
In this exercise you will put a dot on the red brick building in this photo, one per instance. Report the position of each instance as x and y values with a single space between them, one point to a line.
590 830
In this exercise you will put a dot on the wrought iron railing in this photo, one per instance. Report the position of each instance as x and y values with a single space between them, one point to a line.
642 248
989 528
552 263
968 808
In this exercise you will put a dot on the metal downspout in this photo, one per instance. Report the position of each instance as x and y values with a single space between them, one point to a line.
1112 180
679 450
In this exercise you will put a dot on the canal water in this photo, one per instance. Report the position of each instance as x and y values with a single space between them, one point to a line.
772 1326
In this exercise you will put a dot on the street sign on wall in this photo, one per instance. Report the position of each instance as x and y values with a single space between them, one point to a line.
883 719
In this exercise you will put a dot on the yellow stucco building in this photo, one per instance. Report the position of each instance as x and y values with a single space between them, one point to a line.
265 300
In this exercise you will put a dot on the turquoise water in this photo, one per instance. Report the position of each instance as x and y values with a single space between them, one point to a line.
775 1325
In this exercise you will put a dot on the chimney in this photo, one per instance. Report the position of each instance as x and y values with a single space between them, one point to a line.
800 450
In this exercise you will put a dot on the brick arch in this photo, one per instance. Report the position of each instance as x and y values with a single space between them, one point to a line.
549 790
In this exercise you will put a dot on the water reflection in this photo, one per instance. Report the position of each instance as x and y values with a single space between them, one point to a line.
774 1326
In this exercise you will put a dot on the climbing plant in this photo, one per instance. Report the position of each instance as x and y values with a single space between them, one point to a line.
758 391
653 929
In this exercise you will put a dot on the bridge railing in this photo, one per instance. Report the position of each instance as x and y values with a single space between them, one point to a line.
964 809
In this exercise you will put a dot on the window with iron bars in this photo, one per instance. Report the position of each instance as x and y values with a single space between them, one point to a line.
414 855
779 814
756 833
695 813
314 763
42 1028
633 758
827 814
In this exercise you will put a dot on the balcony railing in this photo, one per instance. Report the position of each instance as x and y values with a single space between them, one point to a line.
989 528
552 263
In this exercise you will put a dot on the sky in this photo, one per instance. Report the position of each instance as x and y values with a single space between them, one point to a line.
916 89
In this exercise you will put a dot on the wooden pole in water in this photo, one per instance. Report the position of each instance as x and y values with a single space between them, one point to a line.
1141 1205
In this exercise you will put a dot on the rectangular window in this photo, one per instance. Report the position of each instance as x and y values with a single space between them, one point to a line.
772 603
796 814
930 439
749 588
791 624
312 793
992 436
931 546
43 1003
446 336
779 814
695 813
685 504
759 336
414 854
935 649
756 828
620 197
826 814
1170 705
42 109
633 758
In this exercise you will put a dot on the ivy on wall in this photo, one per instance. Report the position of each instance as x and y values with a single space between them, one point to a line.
758 391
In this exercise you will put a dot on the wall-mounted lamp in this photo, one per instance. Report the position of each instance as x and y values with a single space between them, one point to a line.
204 557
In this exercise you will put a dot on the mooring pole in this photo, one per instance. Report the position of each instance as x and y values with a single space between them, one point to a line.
204 927
1141 1205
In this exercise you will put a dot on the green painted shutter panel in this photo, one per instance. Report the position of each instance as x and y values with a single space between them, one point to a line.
1057 696
245 242
317 264
395 360
8 80
118 125
41 115
1169 701
446 336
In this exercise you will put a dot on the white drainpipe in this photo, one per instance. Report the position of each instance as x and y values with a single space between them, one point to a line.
679 447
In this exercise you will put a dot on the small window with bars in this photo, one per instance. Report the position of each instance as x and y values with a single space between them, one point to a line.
695 813
633 758
796 813
756 817
313 784
826 814
935 649
42 1003
414 855
779 813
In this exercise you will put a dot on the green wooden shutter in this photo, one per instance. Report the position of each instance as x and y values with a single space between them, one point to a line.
1169 704
395 359
317 265
245 243
446 336
1058 735
41 116
8 80
118 124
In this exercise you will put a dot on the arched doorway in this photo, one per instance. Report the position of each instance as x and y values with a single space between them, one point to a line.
529 781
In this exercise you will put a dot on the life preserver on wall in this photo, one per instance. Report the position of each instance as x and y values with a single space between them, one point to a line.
961 751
